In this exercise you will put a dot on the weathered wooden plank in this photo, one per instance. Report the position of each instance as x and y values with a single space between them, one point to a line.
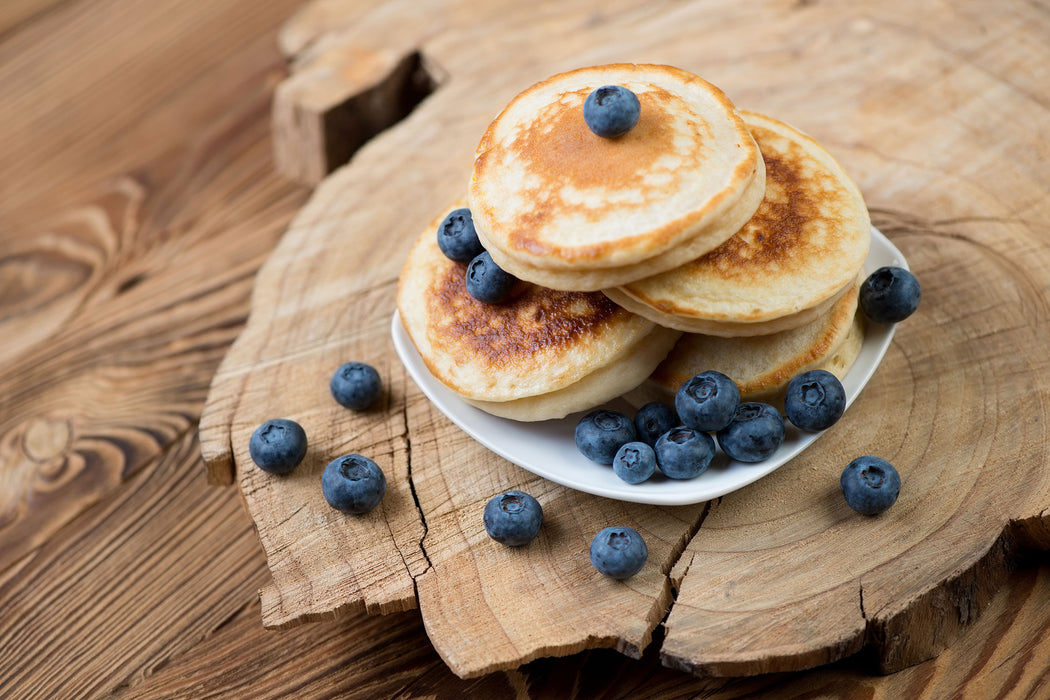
95 595
112 316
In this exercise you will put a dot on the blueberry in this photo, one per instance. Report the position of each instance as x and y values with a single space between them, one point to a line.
634 462
814 400
353 484
870 485
487 281
356 385
889 295
513 518
277 446
653 420
684 453
611 111
600 433
707 401
618 552
754 434
457 237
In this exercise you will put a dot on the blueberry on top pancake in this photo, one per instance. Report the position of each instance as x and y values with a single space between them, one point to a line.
550 198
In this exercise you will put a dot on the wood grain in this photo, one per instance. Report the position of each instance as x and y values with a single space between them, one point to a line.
511 605
138 200
749 599
907 581
119 300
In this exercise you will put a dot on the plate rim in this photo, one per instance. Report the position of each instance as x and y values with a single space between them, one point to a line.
665 491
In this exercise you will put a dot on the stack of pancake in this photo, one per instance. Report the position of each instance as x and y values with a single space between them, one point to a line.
540 354
703 238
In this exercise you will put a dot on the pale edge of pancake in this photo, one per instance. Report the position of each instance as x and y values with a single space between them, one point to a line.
726 329
633 247
590 280
632 355
771 385
601 386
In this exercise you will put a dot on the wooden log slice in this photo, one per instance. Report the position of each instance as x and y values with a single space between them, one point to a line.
923 109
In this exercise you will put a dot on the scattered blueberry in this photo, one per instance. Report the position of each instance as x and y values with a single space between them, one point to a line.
356 385
889 295
277 446
653 420
611 111
457 237
618 552
707 401
870 485
487 281
754 434
814 400
683 453
513 518
634 462
601 433
353 484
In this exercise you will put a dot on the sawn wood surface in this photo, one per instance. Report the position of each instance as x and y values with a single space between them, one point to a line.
139 197
778 576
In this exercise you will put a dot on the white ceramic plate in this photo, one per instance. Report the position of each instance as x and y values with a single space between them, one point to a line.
548 448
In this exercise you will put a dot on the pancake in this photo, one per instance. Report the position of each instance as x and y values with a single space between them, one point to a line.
763 365
602 279
541 354
604 384
547 194
800 250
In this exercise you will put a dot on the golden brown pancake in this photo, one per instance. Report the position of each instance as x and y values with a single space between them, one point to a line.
600 279
786 266
560 206
762 365
540 354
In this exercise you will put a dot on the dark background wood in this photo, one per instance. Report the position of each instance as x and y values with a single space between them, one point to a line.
138 198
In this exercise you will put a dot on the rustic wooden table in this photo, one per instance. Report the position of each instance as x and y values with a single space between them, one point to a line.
139 198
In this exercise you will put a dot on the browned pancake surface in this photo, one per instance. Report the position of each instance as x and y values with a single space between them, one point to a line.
536 342
782 234
802 247
564 151
534 322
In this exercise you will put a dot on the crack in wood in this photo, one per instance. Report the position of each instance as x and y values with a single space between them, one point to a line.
419 506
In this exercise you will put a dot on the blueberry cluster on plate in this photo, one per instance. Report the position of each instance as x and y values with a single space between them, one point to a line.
681 442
